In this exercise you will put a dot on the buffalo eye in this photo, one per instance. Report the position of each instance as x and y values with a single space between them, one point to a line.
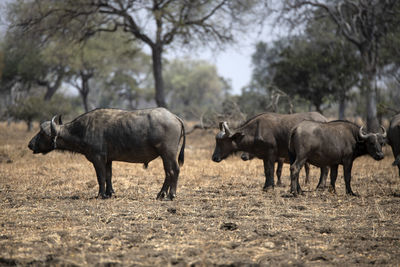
237 137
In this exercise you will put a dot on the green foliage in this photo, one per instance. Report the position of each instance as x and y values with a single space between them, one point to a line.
1 63
34 108
253 101
316 65
193 86
22 61
172 22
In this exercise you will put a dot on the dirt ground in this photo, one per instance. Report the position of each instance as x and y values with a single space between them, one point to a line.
221 217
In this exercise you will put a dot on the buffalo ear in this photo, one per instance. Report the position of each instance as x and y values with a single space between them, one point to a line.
237 137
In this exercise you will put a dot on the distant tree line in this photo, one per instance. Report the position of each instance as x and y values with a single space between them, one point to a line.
106 53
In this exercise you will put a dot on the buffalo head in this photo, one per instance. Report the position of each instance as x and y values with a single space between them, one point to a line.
226 142
45 140
374 143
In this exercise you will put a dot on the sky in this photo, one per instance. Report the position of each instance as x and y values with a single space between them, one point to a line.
234 62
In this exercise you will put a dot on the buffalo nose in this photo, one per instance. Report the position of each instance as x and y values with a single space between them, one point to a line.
216 159
30 145
379 156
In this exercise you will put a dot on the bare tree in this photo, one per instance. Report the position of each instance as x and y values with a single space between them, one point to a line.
157 23
363 23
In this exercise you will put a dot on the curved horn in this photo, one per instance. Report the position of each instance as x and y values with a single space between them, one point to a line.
226 128
384 134
362 135
220 126
53 126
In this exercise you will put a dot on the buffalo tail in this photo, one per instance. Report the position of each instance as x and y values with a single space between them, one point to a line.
181 157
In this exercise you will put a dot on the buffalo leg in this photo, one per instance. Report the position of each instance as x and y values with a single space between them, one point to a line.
279 172
269 174
109 188
347 178
100 167
334 170
398 166
173 181
307 169
171 169
322 178
294 176
164 189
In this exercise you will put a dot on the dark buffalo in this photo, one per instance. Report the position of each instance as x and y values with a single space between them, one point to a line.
394 139
247 156
266 136
105 135
331 144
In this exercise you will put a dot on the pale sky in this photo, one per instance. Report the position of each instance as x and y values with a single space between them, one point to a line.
234 65
234 62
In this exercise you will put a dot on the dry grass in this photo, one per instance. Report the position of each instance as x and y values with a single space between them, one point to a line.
49 216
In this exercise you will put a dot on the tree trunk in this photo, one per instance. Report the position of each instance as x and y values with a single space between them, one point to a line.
372 119
51 90
342 106
85 91
29 125
85 102
318 108
158 78
370 94
369 71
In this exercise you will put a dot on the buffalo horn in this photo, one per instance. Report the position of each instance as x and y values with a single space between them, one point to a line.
221 125
362 135
226 128
384 132
53 126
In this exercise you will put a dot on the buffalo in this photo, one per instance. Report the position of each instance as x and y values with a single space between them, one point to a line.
393 138
331 144
107 135
247 156
266 136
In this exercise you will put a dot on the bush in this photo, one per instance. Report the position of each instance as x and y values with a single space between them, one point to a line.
35 108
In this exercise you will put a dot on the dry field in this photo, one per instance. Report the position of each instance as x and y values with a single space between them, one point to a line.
49 214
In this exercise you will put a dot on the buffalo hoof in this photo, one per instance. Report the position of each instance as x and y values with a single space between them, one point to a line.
321 188
297 193
103 196
351 193
332 190
171 196
280 184
163 196
268 188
